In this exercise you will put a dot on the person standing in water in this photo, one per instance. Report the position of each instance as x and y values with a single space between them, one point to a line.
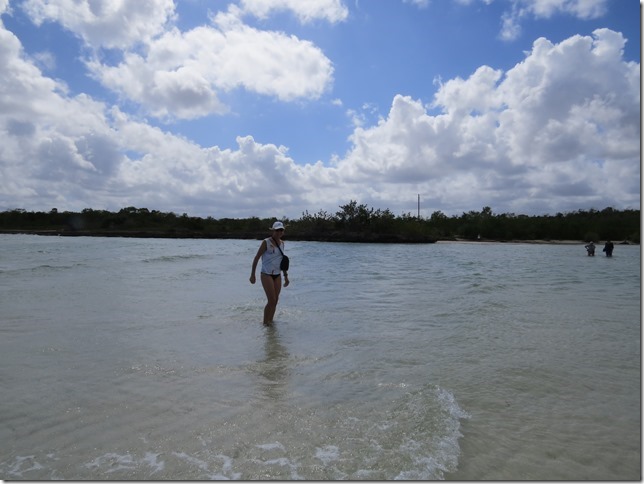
590 248
608 248
271 252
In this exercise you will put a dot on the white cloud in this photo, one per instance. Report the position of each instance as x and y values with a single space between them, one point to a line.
510 26
105 23
183 74
306 11
559 131
519 9
175 74
583 9
567 116
73 153
418 3
45 60
270 62
171 80
477 94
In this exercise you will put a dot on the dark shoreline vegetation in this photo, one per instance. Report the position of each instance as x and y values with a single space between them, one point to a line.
352 223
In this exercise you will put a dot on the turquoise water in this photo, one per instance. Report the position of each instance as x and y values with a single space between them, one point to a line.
146 359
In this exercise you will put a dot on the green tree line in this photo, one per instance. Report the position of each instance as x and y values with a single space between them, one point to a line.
352 222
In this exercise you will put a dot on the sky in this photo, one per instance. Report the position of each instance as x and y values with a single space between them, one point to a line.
274 108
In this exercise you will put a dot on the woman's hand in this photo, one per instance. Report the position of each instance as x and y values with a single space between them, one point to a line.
286 281
252 279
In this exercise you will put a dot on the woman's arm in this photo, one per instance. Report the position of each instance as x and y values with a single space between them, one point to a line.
260 251
286 281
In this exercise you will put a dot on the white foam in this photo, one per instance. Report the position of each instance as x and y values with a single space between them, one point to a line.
271 446
327 454
114 462
281 462
393 385
208 473
24 464
449 403
152 460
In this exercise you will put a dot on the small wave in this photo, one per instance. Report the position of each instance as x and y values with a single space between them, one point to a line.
271 446
50 268
413 436
176 258
112 462
327 454
426 429
223 462
22 465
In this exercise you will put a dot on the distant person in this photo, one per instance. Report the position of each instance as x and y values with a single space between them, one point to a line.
271 252
590 248
608 248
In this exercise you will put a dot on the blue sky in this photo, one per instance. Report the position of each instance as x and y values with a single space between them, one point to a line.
272 107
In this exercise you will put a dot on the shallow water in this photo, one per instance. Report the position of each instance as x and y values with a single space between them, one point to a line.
146 359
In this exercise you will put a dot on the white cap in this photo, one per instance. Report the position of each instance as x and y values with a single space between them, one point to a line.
278 226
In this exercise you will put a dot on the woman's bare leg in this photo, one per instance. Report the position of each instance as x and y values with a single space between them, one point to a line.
272 288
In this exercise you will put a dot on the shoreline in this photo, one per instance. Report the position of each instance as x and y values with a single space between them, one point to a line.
529 241
348 238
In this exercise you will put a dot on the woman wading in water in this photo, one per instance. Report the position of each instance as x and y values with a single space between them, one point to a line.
271 252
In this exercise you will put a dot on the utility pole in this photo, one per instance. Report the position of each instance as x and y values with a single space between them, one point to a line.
419 206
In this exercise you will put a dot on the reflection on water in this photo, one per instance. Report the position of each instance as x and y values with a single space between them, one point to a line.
274 368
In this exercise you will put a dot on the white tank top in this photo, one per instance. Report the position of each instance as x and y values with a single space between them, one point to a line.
272 257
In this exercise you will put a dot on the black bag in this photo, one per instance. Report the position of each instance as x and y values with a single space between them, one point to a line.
285 262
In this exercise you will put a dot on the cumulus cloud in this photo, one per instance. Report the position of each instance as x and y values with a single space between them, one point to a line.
176 74
76 153
583 9
418 3
520 9
270 62
105 23
330 10
558 131
522 135
4 6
